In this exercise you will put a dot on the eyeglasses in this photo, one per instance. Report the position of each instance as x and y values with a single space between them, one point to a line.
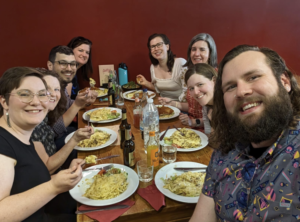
158 45
64 64
26 96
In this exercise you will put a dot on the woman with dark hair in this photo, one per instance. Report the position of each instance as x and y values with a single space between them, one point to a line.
43 135
26 184
202 49
166 70
200 80
82 49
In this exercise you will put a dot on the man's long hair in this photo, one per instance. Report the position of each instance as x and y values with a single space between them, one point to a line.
220 121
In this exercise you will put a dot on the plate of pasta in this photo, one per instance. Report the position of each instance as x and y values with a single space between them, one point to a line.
102 138
191 140
103 115
106 189
129 95
181 186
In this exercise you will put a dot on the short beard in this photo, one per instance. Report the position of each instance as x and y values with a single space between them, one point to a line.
276 117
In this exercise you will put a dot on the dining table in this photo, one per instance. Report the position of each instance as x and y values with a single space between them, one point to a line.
173 211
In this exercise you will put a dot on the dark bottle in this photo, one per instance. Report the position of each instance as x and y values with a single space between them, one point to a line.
122 127
111 94
129 148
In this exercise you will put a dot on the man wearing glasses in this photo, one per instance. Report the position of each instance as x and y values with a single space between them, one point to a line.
62 61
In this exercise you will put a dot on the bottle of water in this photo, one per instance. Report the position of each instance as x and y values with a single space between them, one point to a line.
143 103
150 119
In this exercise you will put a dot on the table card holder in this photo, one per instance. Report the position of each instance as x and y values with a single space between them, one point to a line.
104 71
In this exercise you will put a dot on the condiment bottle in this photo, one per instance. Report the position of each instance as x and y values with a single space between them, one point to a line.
152 149
128 148
123 127
111 94
137 111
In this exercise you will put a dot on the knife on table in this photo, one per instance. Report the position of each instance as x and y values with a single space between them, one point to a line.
100 168
189 168
101 209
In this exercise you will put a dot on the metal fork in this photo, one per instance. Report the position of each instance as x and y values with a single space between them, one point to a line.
182 134
88 117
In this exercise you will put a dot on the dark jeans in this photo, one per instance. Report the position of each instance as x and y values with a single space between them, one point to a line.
60 142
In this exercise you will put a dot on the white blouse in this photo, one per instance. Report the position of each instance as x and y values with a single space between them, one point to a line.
173 88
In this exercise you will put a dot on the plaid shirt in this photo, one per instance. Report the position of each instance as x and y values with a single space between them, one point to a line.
263 189
195 109
59 127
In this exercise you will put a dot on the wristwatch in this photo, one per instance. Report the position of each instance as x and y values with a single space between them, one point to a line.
198 122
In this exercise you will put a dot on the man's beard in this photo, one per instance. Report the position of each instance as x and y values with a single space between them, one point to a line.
276 116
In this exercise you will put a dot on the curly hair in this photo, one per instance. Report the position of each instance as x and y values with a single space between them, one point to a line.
213 56
60 108
87 68
219 116
171 56
12 78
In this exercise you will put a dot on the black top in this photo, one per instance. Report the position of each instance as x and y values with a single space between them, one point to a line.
257 152
30 171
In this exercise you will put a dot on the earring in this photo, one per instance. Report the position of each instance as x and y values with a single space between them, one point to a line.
7 119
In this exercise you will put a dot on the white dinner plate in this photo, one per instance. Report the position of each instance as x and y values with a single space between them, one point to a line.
176 112
87 178
167 171
102 95
149 92
112 139
103 121
203 137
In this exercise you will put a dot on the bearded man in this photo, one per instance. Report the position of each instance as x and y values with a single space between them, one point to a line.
254 174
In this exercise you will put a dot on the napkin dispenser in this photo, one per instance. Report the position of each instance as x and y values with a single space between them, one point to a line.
123 74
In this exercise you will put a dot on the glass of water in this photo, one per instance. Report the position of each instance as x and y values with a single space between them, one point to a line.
169 153
119 95
145 172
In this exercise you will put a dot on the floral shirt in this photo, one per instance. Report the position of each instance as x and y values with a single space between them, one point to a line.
44 134
263 189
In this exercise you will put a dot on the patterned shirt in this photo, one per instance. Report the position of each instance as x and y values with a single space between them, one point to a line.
59 127
195 109
263 189
44 134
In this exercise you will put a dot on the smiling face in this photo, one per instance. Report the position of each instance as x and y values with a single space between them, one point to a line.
249 86
202 89
82 54
66 73
27 115
54 89
159 52
199 52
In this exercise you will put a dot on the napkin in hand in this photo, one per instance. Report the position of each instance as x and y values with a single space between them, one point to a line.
153 196
107 215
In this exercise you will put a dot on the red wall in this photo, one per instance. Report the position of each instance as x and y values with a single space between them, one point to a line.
119 29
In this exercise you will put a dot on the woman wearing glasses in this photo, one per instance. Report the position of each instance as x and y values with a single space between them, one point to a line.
26 184
166 70
82 49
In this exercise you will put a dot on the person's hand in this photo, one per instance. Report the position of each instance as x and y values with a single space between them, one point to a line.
76 162
65 180
185 120
82 97
92 97
141 80
82 133
164 100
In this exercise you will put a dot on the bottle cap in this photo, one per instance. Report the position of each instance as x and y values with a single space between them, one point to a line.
145 90
124 110
128 126
150 101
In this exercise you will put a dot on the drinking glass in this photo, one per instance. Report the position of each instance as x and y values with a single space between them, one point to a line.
169 153
119 95
145 172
